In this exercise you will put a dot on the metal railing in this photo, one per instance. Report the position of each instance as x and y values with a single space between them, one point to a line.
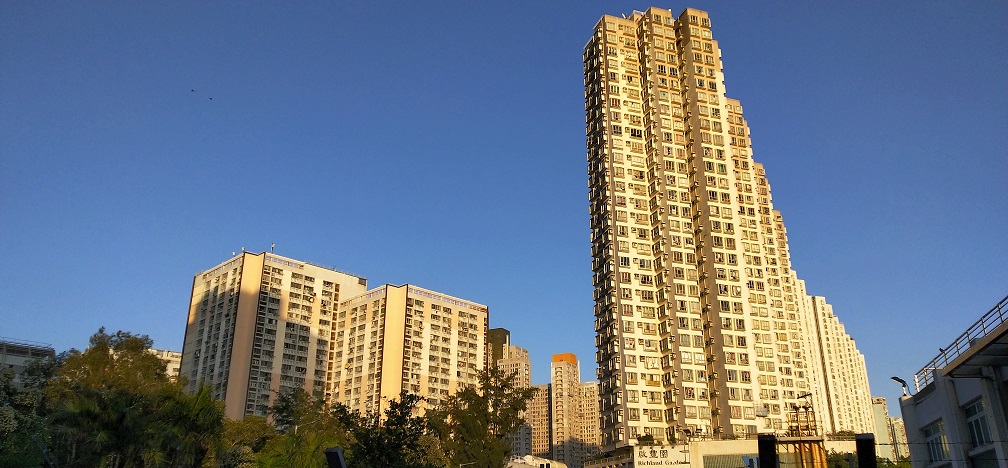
990 321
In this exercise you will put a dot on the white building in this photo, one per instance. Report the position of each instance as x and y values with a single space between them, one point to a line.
956 416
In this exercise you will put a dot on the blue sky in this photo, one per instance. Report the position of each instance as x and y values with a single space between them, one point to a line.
442 144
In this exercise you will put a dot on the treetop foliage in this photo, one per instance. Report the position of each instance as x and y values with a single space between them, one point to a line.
112 405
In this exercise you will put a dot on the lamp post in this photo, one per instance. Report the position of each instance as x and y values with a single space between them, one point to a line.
906 391
892 429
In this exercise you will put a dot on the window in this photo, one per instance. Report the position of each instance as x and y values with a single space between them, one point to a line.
976 420
937 444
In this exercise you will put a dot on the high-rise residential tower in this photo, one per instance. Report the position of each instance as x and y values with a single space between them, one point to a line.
395 339
699 318
538 416
515 360
259 324
838 376
574 413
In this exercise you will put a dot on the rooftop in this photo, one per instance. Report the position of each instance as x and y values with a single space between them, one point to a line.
984 343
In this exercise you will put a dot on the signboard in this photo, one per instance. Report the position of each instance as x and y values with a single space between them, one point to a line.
658 456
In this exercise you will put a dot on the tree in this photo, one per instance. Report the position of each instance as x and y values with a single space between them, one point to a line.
306 427
242 441
22 413
396 439
113 405
474 422
194 424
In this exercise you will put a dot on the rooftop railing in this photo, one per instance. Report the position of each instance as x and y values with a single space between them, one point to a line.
990 321
27 343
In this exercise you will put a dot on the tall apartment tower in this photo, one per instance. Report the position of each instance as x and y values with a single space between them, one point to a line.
574 414
838 375
513 360
538 416
259 324
405 338
698 316
884 446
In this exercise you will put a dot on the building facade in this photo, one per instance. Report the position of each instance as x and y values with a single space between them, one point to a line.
956 416
883 433
538 416
700 320
405 338
890 434
900 446
516 361
838 375
564 415
172 360
16 354
259 324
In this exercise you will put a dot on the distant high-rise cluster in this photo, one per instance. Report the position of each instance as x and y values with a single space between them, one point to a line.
261 323
702 327
562 419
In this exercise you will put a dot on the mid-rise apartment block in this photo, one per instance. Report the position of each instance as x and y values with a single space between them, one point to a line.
172 360
700 320
17 354
405 338
259 324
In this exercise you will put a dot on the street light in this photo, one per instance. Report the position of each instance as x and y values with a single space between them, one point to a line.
892 429
906 391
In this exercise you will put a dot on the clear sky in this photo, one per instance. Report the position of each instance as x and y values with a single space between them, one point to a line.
442 144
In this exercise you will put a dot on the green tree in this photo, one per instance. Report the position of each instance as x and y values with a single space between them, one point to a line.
113 405
242 441
194 424
474 422
22 413
398 438
887 463
306 427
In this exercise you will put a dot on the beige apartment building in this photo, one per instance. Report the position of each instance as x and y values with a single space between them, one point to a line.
405 338
172 360
839 390
538 417
564 415
259 324
513 360
701 324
